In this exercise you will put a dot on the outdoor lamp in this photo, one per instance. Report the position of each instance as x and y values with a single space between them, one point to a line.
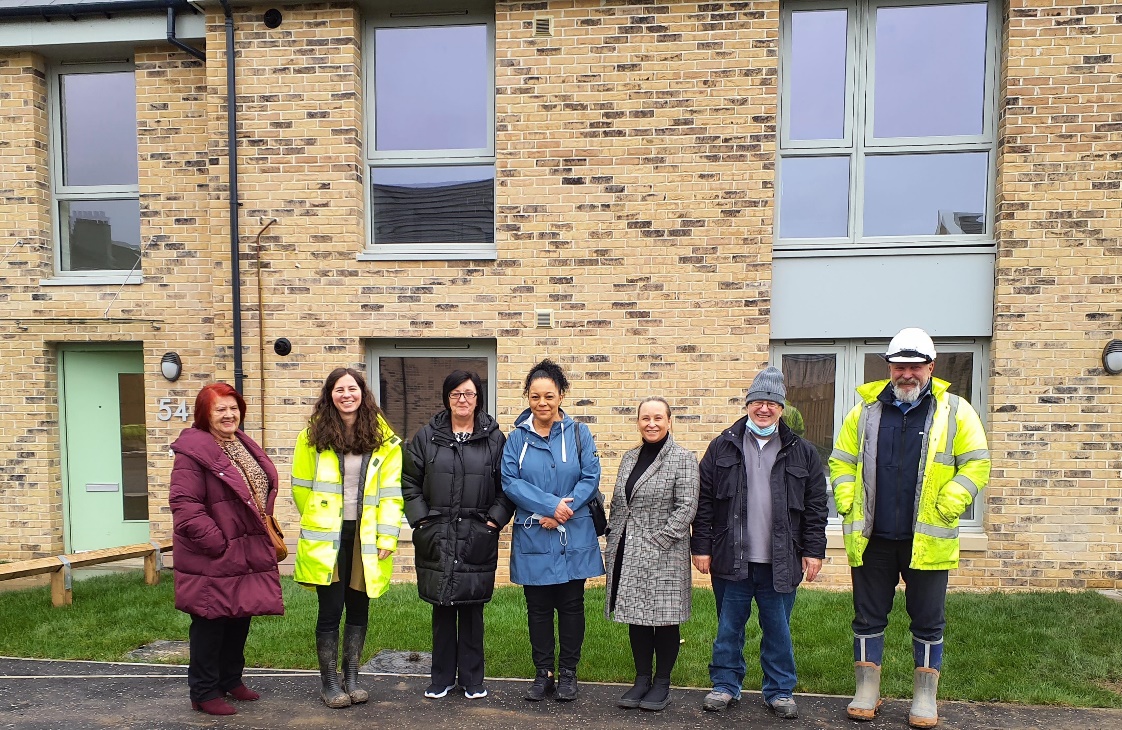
1112 357
171 367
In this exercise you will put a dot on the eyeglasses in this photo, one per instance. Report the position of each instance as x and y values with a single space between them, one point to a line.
462 396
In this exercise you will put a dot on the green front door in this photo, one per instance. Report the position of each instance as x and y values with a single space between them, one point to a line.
106 464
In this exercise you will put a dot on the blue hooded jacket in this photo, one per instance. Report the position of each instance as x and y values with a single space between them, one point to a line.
537 473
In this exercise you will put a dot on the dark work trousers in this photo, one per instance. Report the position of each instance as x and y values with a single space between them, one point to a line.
648 642
217 656
567 600
874 587
333 597
457 647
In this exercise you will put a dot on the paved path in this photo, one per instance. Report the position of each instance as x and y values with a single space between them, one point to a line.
56 695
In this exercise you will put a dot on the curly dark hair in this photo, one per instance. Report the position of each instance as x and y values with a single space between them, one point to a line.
550 371
326 429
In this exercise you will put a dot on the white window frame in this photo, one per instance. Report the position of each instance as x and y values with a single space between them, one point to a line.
858 140
61 192
850 373
436 13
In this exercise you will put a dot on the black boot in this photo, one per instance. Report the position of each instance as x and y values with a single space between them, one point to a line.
354 638
543 685
566 685
631 697
327 650
658 697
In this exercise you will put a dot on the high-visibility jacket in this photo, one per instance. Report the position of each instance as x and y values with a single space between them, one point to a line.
317 488
954 467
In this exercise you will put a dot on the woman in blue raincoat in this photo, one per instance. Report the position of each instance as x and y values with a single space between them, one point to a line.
551 472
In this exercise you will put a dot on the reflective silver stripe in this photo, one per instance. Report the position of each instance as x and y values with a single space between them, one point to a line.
318 535
964 481
945 459
843 479
390 530
952 430
301 482
389 492
845 456
933 531
975 455
856 526
369 549
394 440
327 487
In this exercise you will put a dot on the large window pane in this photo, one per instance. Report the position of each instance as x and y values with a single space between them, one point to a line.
816 72
100 234
99 129
134 449
433 204
432 86
811 381
926 194
814 197
409 388
930 70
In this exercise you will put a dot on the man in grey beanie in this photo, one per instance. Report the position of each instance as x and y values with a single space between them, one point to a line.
760 525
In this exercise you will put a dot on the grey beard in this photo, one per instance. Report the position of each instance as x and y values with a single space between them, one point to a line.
907 396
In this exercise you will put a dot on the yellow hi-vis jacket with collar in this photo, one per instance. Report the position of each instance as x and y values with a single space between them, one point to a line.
955 466
317 488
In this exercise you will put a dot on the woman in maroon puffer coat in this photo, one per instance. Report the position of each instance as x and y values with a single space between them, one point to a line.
225 562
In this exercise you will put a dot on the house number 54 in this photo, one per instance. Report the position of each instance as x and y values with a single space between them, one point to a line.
166 406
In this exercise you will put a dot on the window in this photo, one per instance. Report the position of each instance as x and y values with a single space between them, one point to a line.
821 377
94 169
431 134
886 124
407 375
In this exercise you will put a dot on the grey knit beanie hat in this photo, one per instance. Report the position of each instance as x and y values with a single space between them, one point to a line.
768 385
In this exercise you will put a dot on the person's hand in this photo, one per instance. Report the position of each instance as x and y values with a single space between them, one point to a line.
811 566
549 523
383 553
563 511
701 562
492 525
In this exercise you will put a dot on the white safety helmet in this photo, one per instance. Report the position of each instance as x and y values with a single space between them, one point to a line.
910 344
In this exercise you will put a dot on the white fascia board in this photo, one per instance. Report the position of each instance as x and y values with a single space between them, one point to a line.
36 33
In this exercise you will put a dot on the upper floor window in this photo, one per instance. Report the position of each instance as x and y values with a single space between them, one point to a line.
431 134
886 123
94 169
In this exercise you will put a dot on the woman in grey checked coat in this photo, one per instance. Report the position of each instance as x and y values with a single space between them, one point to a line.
648 556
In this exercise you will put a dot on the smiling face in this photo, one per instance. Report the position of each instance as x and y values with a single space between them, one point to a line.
654 421
225 417
909 379
346 396
545 401
764 413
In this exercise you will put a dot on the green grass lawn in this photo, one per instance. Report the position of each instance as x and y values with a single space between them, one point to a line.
1039 648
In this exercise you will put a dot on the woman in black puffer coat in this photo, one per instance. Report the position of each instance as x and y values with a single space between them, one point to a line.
454 502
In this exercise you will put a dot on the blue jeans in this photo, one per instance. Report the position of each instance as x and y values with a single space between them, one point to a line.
777 654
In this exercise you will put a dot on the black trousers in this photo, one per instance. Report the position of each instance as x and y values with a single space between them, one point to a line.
648 642
874 587
457 647
334 597
567 601
217 656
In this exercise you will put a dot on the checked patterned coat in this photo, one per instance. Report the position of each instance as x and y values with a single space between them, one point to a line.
654 578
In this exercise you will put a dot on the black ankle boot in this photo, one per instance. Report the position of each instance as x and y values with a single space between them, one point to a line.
543 685
658 697
631 697
566 685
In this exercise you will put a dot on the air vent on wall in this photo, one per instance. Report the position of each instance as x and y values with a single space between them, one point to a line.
544 318
543 26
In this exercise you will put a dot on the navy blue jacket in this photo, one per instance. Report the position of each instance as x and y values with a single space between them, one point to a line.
899 446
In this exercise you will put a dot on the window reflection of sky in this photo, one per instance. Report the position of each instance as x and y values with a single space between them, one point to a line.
814 197
431 88
817 69
432 176
905 193
99 128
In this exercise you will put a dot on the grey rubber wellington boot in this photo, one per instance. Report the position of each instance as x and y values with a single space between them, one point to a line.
924 712
354 638
866 701
327 651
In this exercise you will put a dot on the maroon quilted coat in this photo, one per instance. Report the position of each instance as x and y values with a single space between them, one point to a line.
225 563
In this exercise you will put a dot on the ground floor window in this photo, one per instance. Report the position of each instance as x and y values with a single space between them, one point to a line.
821 376
407 375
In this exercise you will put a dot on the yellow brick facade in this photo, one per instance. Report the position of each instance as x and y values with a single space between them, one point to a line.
635 153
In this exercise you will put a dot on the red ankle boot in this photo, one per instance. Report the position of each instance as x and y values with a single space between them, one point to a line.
217 706
243 694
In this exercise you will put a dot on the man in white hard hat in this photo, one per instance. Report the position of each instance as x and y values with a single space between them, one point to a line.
910 459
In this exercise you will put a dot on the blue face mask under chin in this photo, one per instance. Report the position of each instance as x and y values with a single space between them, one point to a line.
762 432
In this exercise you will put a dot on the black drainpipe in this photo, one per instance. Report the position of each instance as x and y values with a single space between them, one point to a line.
178 43
232 146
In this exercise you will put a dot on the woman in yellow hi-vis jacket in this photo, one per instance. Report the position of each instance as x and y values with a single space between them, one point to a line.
346 481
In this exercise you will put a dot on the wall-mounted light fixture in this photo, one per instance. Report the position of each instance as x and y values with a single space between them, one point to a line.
282 346
171 367
1112 357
